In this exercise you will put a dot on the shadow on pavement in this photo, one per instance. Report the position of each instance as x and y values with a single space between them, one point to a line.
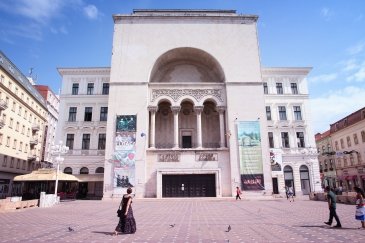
326 227
102 232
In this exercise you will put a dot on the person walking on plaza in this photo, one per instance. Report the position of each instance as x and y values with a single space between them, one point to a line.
331 199
127 223
360 206
238 193
291 194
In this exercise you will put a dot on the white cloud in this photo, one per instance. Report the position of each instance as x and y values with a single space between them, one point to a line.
324 78
359 75
350 65
91 11
335 105
356 49
326 13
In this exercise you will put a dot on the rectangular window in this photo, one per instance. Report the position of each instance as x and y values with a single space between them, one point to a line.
1 138
348 141
18 164
294 88
15 144
105 89
13 107
279 88
282 113
72 114
75 89
88 113
356 140
90 88
285 140
103 113
85 142
363 136
297 113
336 145
23 129
25 114
12 163
70 141
20 110
11 123
24 165
268 113
342 143
5 162
101 142
17 126
21 146
266 90
300 139
8 142
271 140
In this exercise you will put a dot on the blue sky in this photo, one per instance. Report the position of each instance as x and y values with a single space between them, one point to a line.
328 35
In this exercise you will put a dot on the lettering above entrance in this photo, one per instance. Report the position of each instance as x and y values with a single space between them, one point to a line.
169 157
176 94
206 156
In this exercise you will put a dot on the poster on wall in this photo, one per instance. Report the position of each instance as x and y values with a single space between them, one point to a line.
250 155
124 151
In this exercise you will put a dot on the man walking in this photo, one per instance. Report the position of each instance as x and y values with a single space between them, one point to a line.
238 193
331 198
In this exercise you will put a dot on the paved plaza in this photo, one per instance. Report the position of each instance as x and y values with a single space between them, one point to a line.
183 220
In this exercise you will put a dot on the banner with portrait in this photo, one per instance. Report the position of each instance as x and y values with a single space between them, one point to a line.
250 155
124 151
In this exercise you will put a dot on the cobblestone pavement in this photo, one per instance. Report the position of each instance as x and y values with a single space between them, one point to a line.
194 220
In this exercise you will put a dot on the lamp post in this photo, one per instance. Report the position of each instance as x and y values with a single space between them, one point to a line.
58 150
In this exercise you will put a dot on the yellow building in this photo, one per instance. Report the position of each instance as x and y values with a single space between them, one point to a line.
23 114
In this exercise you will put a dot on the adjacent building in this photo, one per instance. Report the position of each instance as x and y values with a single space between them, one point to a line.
190 112
53 102
82 126
293 151
326 158
23 116
348 142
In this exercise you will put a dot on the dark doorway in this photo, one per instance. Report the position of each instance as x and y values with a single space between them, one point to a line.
275 186
186 141
83 189
200 185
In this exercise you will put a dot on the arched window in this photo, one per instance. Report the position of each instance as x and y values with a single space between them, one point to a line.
84 170
99 170
68 170
289 177
304 179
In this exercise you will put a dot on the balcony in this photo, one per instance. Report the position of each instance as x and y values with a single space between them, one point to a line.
31 157
3 105
83 152
2 123
33 141
35 127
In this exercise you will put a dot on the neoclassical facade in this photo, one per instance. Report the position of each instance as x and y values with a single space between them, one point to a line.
186 110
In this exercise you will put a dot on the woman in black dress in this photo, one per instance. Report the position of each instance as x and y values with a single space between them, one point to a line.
127 223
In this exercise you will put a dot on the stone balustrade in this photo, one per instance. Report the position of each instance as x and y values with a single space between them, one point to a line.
9 204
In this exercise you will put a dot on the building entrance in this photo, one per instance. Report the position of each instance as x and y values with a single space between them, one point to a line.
198 185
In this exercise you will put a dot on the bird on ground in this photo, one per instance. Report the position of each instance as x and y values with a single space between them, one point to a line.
229 228
70 229
172 225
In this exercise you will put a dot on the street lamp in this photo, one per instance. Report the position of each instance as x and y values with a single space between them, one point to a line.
57 150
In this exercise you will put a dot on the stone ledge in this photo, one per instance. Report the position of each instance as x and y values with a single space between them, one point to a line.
8 205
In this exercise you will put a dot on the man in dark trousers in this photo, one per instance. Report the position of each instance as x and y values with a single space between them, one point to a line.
238 193
331 198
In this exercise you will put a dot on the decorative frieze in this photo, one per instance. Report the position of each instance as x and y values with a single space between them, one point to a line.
168 157
176 94
206 156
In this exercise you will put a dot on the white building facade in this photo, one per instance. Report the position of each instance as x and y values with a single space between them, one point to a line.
186 110
82 126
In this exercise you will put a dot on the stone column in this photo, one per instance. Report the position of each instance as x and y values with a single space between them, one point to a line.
198 110
153 110
176 110
221 110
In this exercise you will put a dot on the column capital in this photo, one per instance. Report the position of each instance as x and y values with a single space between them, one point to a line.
175 109
198 109
221 109
152 109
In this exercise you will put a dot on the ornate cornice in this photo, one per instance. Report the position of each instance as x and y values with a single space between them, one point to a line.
176 94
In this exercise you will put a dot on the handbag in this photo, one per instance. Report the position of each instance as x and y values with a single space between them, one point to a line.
119 211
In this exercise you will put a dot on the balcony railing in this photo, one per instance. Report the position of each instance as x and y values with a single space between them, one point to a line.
31 157
33 141
3 104
35 127
90 152
193 146
2 123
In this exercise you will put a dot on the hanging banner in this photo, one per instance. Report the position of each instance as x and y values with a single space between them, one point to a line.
124 151
250 155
